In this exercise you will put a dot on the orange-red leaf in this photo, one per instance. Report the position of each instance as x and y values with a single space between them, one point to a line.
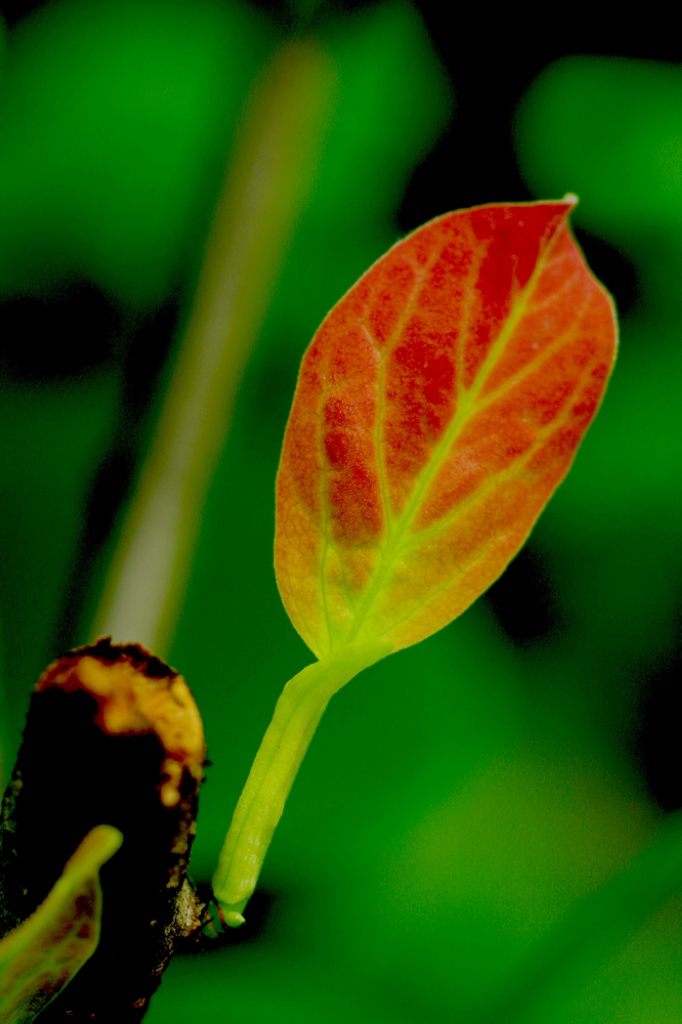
438 407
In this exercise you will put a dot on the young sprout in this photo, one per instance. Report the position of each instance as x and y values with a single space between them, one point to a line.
41 956
438 407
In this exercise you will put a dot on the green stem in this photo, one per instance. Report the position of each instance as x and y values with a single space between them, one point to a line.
268 182
297 714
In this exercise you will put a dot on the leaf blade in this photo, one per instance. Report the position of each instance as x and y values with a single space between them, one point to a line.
438 407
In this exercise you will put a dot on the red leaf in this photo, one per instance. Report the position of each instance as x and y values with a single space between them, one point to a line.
438 406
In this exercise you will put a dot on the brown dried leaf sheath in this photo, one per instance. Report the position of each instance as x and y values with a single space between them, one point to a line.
113 736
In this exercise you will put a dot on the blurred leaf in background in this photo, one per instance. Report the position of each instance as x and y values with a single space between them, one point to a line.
116 120
613 127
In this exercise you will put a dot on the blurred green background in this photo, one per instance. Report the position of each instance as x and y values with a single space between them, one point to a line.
464 803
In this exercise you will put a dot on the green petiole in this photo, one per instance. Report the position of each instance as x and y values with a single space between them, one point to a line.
297 714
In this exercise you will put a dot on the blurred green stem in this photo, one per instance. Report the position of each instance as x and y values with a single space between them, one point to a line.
268 180
296 717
